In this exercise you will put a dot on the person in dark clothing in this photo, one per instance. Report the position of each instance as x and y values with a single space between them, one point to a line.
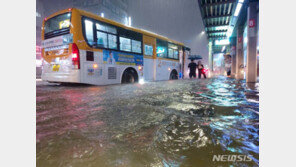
192 66
200 68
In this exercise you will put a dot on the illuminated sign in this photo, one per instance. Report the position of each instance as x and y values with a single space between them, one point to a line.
240 39
252 23
222 42
64 24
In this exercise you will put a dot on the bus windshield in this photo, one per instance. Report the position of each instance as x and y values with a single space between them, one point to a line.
57 23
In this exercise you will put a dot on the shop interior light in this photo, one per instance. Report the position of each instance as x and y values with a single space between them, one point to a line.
223 48
222 42
245 39
229 32
221 28
241 1
238 8
102 15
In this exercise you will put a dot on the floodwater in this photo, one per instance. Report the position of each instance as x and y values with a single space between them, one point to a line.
171 123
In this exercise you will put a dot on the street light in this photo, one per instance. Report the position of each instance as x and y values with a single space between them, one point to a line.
129 21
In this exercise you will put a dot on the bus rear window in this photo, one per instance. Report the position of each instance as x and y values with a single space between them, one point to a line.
57 23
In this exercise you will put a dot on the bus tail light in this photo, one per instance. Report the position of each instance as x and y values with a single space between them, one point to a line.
75 56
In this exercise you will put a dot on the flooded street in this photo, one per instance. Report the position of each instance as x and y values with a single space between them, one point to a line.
171 123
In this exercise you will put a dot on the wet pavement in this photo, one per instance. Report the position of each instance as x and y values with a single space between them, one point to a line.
169 123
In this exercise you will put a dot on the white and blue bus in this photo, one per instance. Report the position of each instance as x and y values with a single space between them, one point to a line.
80 47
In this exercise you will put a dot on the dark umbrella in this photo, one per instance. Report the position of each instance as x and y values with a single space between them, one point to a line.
194 57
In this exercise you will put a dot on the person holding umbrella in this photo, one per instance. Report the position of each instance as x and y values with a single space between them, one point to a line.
192 67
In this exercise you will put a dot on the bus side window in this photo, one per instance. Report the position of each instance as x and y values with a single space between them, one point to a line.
176 54
106 36
136 46
162 48
125 44
130 41
148 50
102 39
173 51
89 31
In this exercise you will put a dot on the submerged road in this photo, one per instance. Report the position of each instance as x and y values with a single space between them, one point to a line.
170 123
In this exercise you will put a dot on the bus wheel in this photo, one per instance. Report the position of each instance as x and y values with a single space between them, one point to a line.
129 76
174 75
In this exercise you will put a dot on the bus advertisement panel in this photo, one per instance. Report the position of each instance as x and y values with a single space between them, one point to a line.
121 58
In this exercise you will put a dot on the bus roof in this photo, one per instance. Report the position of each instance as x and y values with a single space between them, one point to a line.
94 16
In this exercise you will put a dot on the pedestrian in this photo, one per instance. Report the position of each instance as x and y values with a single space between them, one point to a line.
200 68
192 66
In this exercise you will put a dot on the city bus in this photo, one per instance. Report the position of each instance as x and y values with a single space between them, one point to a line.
81 47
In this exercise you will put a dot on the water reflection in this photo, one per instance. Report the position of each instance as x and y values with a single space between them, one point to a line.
180 123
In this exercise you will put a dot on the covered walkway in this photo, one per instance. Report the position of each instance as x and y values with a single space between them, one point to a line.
232 27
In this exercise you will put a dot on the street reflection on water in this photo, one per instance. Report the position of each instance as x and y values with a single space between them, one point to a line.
171 123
